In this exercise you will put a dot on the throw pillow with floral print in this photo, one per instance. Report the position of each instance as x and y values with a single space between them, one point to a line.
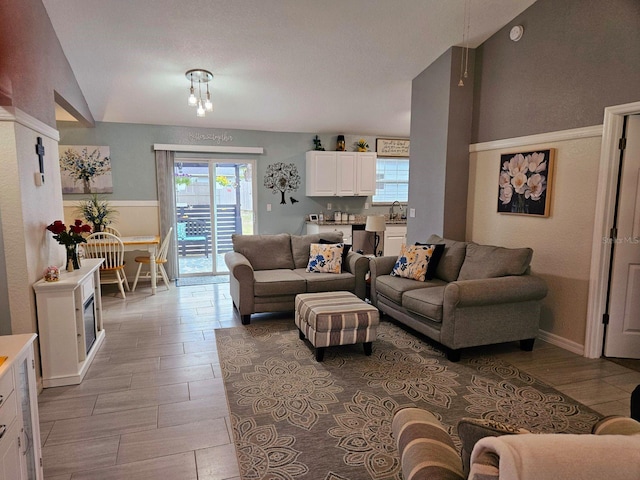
325 258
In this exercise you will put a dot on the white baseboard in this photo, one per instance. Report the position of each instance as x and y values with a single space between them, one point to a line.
561 342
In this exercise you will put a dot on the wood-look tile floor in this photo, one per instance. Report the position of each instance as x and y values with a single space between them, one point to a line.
152 404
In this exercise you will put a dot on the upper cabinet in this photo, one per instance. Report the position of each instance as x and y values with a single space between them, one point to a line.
341 174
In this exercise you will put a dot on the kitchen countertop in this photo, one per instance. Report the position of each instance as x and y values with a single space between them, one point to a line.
359 222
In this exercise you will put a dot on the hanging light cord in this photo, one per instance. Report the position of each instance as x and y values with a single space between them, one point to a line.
464 58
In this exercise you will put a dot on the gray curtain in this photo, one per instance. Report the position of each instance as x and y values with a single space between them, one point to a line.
167 204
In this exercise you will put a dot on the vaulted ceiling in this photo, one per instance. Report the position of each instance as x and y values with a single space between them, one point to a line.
279 65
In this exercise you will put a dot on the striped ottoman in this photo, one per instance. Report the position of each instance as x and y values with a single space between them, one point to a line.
335 318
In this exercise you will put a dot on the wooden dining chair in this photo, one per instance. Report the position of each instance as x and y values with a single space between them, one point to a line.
161 259
113 230
111 249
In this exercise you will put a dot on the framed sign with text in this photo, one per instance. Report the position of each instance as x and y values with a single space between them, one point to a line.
392 147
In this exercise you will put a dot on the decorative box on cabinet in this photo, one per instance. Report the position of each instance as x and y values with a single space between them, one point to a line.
20 451
70 324
342 174
345 229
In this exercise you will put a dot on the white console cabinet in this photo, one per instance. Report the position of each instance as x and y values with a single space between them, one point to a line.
341 174
70 324
20 451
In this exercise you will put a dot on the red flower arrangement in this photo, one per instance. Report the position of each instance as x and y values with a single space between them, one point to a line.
71 237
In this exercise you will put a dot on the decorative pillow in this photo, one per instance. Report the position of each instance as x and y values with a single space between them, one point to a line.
412 262
325 258
438 250
345 252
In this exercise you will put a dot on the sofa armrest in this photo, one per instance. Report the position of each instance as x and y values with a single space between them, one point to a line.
379 266
239 266
490 291
240 282
425 447
358 265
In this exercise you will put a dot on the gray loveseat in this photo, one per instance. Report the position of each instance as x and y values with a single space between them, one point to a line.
480 295
266 272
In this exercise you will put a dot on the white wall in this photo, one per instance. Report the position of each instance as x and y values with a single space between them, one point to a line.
26 210
561 242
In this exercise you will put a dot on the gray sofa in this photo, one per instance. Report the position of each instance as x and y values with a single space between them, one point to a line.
480 295
266 272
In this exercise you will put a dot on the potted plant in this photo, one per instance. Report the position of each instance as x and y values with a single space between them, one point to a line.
97 212
362 145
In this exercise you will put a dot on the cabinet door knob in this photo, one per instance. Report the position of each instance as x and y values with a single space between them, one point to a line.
3 430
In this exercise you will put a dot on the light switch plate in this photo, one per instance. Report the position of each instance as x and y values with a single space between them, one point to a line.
412 212
268 207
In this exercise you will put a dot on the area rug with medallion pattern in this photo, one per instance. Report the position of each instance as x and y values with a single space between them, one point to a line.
295 418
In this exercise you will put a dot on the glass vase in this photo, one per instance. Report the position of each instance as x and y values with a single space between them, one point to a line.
73 261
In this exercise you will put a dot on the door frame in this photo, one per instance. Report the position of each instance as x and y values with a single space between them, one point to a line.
604 216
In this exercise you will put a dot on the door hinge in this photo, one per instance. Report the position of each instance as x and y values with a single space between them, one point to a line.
33 364
622 143
605 319
613 233
40 461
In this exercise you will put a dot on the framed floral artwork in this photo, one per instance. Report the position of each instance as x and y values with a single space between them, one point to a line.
524 186
85 169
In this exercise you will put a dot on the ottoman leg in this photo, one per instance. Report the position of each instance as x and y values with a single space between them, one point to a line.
368 348
300 334
319 354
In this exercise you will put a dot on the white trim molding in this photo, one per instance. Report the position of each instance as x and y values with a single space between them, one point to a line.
117 203
605 206
207 149
12 114
561 342
551 137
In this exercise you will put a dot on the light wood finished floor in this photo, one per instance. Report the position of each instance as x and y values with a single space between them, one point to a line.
153 406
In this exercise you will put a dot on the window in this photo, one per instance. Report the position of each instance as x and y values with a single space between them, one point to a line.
392 180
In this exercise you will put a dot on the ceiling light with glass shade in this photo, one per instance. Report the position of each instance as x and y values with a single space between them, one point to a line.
198 77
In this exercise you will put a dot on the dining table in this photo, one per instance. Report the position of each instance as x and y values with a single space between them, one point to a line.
144 242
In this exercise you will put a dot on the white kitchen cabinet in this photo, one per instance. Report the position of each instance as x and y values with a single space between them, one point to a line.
347 234
341 174
394 237
70 323
20 451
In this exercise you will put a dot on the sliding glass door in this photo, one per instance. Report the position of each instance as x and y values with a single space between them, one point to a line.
214 199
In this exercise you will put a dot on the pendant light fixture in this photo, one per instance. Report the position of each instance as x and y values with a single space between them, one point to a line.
202 105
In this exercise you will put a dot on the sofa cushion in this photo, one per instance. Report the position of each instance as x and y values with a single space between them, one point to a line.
265 252
278 282
393 287
300 245
325 258
413 261
327 282
345 252
450 263
438 249
487 261
426 302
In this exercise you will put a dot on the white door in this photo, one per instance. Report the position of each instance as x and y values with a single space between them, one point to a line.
623 332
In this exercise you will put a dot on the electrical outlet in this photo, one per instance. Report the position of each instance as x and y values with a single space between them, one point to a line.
366 206
412 212
268 207
328 206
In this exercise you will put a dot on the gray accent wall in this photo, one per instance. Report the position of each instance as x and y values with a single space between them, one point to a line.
440 137
33 68
134 172
576 58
